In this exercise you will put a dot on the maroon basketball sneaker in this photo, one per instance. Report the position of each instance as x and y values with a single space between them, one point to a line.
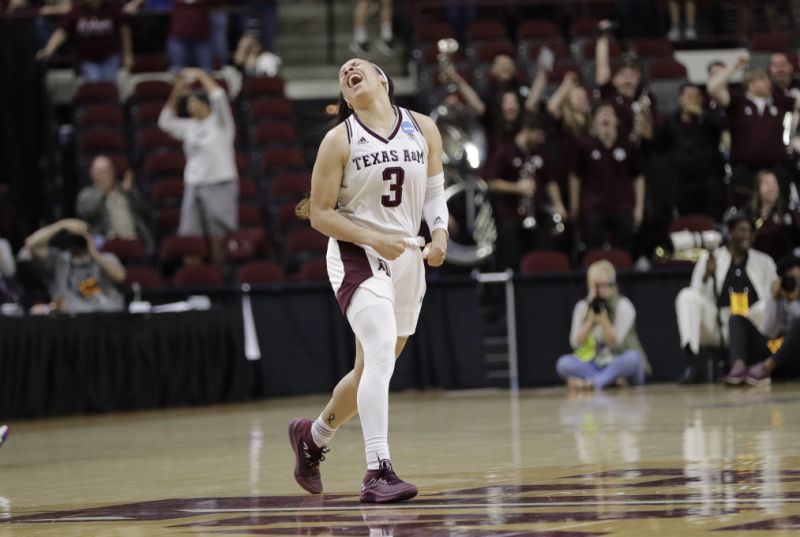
307 455
737 375
758 375
383 486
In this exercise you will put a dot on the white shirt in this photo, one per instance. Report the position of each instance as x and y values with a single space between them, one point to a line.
207 143
385 179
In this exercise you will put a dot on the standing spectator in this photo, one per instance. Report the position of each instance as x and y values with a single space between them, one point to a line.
362 11
10 291
79 278
569 108
781 316
189 42
113 210
745 10
781 71
252 60
691 137
96 26
731 275
777 228
210 199
756 123
690 11
635 107
519 174
606 184
603 336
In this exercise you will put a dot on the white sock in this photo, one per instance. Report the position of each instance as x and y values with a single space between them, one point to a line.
360 34
386 31
321 432
374 323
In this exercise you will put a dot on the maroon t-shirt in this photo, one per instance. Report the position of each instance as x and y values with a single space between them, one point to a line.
757 137
191 19
624 107
607 175
96 30
506 162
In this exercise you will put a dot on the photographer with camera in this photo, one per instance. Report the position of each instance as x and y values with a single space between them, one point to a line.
732 280
603 334
778 334
80 279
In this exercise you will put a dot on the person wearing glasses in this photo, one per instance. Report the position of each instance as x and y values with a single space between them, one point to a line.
606 349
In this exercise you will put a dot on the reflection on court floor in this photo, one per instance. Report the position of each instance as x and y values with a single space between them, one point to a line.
665 460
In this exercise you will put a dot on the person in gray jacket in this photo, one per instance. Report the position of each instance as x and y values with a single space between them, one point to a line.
112 209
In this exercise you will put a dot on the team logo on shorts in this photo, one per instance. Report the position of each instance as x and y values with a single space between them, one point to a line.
382 265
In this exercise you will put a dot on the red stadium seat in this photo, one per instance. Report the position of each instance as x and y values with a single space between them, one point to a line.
481 31
289 187
191 276
102 141
692 222
269 109
152 139
588 50
147 113
167 191
274 160
247 188
304 243
560 50
250 215
151 91
537 30
102 116
544 261
486 52
241 163
150 63
247 243
273 134
126 249
256 272
313 270
667 70
176 247
146 277
431 32
285 219
261 86
96 93
164 165
778 42
651 48
621 259
584 27
168 219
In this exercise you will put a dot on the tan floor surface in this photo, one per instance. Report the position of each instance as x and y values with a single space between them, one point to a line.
662 460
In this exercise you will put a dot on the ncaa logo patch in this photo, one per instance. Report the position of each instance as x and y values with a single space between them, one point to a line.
407 127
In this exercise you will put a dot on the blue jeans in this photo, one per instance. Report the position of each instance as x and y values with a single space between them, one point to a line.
104 71
628 365
219 33
267 16
190 52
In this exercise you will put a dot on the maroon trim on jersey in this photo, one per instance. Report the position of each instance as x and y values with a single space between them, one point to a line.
349 131
379 137
356 270
414 121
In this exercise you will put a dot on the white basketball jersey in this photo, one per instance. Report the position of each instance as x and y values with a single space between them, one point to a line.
384 182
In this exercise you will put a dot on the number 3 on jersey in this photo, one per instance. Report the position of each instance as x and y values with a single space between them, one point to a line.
396 176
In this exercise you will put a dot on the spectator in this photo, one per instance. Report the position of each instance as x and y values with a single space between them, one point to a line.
264 17
756 123
569 108
189 42
363 10
210 199
690 11
96 26
606 184
777 228
732 279
635 107
691 137
603 336
781 71
519 174
79 278
10 291
251 59
746 8
112 210
782 312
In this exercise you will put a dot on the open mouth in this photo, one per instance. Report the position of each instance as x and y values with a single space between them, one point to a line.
354 80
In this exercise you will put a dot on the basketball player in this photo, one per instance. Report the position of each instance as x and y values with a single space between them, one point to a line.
377 173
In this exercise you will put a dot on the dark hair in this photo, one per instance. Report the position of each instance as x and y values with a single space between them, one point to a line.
714 63
755 199
201 95
603 104
687 85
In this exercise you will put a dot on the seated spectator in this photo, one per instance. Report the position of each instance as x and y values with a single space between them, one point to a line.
751 345
10 291
519 174
606 185
691 138
114 210
189 42
733 279
603 336
777 227
635 107
96 26
781 72
79 278
210 198
756 122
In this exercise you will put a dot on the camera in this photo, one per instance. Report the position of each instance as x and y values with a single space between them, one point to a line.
598 304
789 284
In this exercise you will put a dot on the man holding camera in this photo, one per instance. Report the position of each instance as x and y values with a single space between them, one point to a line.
80 279
779 330
732 280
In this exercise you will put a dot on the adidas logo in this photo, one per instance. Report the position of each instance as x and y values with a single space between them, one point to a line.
363 141
438 220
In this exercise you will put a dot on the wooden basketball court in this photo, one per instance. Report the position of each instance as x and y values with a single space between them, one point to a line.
663 460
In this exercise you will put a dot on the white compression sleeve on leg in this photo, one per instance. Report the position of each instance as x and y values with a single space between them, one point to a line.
435 208
373 321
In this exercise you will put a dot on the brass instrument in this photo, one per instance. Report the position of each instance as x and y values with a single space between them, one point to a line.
525 206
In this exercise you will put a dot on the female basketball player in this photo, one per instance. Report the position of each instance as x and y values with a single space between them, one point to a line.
377 173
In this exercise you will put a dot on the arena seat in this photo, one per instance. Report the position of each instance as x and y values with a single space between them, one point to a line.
621 259
255 87
151 139
313 270
191 276
167 192
126 250
273 135
151 91
96 93
303 244
146 114
486 31
256 272
247 188
97 141
431 32
768 42
150 63
176 247
101 116
268 109
538 30
544 261
247 243
651 48
692 222
277 160
250 215
164 165
289 187
146 277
